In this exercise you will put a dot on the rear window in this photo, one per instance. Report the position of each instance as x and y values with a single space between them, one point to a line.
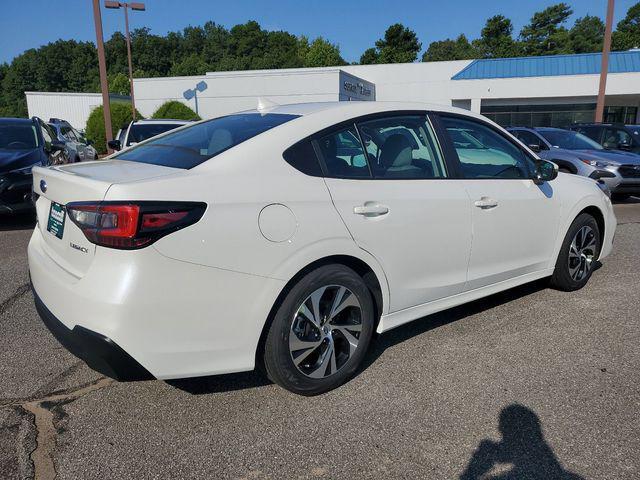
193 145
140 132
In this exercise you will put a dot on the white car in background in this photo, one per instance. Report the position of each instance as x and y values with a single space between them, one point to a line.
142 130
288 235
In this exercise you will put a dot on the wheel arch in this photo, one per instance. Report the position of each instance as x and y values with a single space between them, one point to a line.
597 214
566 164
361 267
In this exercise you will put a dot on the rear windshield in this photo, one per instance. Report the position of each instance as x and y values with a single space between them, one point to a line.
141 132
193 145
18 136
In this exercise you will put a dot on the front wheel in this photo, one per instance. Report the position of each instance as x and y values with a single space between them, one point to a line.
578 254
320 332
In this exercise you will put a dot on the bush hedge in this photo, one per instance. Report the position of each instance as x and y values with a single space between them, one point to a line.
175 110
120 117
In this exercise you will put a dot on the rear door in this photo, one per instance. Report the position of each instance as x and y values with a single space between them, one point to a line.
399 203
515 221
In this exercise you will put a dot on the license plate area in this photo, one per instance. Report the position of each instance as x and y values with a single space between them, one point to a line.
57 216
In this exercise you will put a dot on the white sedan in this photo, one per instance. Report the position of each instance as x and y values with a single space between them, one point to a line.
287 236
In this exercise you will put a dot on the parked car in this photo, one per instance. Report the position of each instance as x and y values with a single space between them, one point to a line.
612 136
141 130
24 143
578 154
289 235
78 147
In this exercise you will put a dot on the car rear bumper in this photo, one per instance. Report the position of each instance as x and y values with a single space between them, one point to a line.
99 352
174 319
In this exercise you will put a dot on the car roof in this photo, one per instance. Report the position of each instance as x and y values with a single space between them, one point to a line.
16 120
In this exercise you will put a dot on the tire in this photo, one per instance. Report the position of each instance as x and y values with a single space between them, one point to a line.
620 197
294 325
578 255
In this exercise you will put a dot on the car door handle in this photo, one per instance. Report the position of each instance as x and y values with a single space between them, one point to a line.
486 203
371 209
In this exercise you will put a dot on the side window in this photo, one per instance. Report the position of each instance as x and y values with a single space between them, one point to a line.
484 153
302 157
343 155
529 138
46 134
67 133
613 137
402 147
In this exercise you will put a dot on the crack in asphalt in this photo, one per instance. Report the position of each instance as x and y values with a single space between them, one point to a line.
20 291
47 414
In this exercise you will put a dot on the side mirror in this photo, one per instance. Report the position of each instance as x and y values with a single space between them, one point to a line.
57 146
535 147
545 172
114 144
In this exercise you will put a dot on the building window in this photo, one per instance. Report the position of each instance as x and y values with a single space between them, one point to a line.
559 115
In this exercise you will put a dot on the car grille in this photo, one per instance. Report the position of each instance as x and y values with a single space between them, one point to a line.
630 171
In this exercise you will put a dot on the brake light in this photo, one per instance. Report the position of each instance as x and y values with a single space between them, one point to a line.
130 225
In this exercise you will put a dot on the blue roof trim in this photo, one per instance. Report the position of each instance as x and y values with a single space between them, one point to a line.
549 66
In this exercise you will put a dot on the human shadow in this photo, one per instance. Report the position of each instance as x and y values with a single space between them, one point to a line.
523 447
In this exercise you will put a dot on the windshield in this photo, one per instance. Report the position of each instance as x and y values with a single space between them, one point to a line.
18 136
141 131
191 146
569 140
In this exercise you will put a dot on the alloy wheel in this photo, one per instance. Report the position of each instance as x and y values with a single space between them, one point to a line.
325 331
582 253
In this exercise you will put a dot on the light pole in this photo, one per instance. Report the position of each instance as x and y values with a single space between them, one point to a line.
604 67
126 7
102 67
193 93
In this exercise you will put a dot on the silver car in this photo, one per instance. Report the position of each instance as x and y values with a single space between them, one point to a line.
77 146
575 153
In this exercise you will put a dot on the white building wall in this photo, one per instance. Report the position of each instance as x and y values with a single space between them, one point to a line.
73 107
229 92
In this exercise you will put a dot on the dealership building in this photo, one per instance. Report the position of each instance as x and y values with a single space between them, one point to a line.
528 91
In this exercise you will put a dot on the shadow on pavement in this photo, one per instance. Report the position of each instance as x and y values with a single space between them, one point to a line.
523 447
17 221
221 383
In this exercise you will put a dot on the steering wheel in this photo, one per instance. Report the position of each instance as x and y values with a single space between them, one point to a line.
18 144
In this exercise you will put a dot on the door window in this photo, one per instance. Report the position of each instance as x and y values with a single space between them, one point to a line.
529 138
484 153
343 154
402 147
614 137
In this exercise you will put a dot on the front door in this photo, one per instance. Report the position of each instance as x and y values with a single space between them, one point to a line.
515 221
397 200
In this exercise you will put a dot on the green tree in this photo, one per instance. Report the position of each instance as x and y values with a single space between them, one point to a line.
445 50
119 83
627 34
321 53
399 45
370 56
192 64
545 34
176 110
496 40
120 117
586 35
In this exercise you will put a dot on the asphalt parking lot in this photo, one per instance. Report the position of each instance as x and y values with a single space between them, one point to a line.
530 383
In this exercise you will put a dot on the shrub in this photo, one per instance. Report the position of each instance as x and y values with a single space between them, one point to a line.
176 110
120 117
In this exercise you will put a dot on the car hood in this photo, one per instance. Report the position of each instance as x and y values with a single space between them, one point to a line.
15 159
613 156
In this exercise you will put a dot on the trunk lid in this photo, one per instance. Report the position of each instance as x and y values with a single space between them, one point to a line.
56 186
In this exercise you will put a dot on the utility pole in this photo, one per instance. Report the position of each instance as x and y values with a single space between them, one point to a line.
126 6
102 66
604 68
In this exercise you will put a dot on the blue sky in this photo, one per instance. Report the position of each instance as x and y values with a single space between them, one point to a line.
353 25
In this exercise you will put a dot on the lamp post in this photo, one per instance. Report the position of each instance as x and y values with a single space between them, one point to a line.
193 93
126 6
102 67
604 67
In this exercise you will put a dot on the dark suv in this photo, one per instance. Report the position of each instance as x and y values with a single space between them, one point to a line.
612 136
24 143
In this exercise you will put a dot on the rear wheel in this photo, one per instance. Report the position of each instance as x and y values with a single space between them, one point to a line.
320 332
578 254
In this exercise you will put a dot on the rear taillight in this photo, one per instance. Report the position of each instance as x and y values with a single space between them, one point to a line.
130 225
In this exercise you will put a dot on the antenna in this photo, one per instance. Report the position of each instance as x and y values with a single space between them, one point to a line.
264 104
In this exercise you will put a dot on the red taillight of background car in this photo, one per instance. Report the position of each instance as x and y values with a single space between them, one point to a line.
130 225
